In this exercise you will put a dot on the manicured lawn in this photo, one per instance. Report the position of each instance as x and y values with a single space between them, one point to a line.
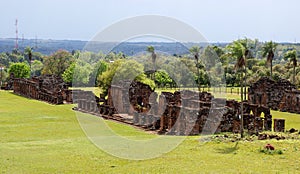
96 90
292 120
231 92
36 137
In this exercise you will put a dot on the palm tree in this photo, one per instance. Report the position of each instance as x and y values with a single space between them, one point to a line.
240 52
28 52
195 50
237 50
151 50
248 45
268 50
292 56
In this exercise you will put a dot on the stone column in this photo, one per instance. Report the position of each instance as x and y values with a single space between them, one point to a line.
279 125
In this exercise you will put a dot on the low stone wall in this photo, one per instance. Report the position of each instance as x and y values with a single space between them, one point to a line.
47 88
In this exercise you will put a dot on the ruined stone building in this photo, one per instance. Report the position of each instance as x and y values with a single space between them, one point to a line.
179 113
47 88
278 95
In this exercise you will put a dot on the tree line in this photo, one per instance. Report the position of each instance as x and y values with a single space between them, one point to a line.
239 63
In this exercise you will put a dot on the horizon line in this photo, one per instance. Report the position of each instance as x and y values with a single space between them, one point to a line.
221 42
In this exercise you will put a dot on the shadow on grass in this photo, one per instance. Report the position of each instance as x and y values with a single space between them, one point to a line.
228 150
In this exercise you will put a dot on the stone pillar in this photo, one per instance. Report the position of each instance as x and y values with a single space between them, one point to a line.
193 121
279 125
268 122
258 124
135 118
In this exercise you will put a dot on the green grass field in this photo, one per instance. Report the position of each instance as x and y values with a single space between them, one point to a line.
36 137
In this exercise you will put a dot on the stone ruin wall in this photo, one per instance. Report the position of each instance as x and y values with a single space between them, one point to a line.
198 113
46 88
178 113
280 95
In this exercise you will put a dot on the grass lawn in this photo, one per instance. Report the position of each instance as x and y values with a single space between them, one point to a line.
36 137
96 90
231 92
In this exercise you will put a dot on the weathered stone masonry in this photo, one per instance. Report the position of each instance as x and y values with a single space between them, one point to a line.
178 113
47 88
280 95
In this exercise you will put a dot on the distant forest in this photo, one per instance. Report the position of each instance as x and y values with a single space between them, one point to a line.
49 46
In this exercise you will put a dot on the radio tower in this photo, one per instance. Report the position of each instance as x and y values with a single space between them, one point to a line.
16 46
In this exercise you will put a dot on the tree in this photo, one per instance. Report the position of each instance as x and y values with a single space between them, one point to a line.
3 74
57 63
239 52
268 50
292 56
195 50
36 67
20 70
77 73
28 52
248 45
68 74
181 70
4 59
151 50
15 56
121 70
219 51
100 67
163 78
37 56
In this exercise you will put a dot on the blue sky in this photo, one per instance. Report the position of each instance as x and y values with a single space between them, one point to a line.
217 20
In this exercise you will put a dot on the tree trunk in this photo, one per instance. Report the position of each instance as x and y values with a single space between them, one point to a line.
30 69
245 84
0 77
198 71
154 64
241 84
271 74
245 92
242 114
242 120
294 74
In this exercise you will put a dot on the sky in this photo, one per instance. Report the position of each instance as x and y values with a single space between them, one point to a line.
216 20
